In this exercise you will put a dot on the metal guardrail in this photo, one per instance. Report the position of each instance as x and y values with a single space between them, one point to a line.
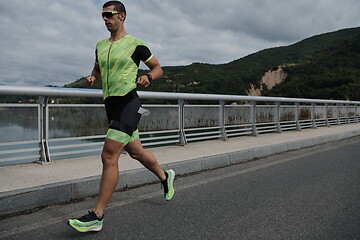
320 113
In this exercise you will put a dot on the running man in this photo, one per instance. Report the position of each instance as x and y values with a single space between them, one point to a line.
116 64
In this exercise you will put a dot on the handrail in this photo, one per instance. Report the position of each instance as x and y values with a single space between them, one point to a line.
85 92
185 134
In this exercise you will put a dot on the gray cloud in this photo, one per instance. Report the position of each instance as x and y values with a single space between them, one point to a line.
47 42
52 42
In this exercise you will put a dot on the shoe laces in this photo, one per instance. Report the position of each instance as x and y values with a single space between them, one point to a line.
89 217
164 184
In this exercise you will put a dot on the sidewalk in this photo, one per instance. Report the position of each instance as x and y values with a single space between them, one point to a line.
28 186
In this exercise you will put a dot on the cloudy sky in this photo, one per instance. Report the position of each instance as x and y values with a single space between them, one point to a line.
52 41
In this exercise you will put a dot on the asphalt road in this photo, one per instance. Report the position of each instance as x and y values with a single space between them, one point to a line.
312 193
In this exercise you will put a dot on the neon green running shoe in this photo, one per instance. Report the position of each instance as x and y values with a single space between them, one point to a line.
168 184
88 223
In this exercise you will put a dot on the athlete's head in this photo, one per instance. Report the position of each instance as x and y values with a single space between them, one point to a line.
118 7
114 15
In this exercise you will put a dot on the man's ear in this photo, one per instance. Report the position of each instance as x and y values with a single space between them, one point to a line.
122 16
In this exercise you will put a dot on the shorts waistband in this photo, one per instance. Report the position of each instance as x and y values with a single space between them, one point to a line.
128 97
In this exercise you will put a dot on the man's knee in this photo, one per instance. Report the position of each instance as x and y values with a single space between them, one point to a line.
108 159
111 152
137 154
135 149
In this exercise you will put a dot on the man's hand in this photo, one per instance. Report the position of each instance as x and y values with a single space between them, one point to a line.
90 80
143 81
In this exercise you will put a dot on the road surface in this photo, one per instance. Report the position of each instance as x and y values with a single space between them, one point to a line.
312 193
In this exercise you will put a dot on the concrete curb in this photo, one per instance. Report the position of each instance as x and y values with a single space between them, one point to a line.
36 197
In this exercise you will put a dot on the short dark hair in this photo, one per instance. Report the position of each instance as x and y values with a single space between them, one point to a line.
118 6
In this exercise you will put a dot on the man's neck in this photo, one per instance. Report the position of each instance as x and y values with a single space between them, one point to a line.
117 35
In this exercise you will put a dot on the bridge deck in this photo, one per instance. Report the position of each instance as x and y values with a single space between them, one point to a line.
28 186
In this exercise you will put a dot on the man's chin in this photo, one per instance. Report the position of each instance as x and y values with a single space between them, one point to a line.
110 29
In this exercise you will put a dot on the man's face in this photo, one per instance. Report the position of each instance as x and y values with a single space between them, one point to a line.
111 18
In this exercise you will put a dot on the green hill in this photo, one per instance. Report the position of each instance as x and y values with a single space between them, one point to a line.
324 66
333 72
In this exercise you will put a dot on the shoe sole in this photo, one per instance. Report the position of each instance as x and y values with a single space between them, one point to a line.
92 229
172 177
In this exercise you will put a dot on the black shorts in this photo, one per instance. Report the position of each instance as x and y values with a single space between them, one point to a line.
122 112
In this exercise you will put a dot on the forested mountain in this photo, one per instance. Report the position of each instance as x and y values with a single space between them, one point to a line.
325 66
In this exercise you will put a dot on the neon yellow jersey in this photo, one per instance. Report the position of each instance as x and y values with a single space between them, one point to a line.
119 64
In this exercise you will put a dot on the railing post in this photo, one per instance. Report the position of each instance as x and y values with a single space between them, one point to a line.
356 114
326 115
223 135
277 118
297 113
313 115
182 122
44 130
347 113
253 118
338 113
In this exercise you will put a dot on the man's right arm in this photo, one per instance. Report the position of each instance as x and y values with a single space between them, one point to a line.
95 75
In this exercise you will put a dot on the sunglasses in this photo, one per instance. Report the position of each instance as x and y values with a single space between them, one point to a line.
109 14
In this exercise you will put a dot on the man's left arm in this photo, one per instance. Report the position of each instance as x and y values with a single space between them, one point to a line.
155 72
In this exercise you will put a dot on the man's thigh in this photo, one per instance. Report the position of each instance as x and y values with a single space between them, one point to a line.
112 149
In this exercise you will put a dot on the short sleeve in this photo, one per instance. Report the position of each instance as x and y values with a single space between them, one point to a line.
142 53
